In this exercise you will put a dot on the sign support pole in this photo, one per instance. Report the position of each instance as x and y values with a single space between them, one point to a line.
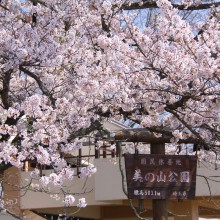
159 206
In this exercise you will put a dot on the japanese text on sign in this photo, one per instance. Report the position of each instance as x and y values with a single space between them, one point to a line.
172 176
160 176
161 161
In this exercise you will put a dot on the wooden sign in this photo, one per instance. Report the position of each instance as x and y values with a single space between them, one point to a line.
160 176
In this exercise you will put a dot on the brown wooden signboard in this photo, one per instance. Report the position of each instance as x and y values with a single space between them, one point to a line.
160 176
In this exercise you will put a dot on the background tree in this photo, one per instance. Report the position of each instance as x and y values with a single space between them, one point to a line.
66 65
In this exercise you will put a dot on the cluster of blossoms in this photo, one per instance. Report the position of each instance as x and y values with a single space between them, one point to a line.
82 203
81 61
69 201
88 170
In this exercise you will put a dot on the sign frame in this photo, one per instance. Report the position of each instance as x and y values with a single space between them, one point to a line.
159 176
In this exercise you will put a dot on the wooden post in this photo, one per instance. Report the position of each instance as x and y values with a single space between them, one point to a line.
97 153
160 211
113 153
104 153
79 162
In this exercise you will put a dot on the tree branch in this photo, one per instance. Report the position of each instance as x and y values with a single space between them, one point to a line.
95 126
194 132
39 82
152 4
6 88
2 6
144 135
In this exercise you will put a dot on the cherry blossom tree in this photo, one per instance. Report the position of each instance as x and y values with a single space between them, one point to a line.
67 65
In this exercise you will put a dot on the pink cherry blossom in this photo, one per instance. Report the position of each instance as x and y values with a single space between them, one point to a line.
78 63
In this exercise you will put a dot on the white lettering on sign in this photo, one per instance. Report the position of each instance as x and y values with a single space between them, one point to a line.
146 193
161 177
150 177
179 193
143 161
161 161
170 162
152 161
178 162
172 176
137 176
136 192
184 177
